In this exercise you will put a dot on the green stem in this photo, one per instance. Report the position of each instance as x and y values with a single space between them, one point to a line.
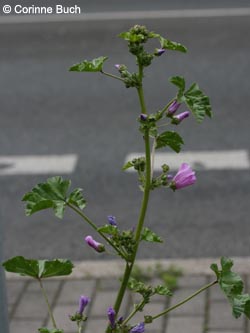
168 105
113 76
79 327
48 305
144 204
96 229
185 300
133 313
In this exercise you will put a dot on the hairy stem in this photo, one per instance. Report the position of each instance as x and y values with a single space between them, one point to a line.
185 300
48 305
131 315
113 76
144 204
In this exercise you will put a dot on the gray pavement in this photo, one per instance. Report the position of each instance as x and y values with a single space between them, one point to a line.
208 312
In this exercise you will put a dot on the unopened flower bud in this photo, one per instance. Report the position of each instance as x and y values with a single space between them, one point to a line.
111 315
95 245
112 220
159 52
179 117
174 106
143 117
139 328
83 302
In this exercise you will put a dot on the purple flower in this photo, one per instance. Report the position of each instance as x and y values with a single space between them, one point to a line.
143 117
112 220
83 302
111 315
95 245
139 328
159 52
117 66
179 117
173 107
184 177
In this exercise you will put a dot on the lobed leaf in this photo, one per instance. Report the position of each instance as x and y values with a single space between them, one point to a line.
94 65
132 37
170 45
150 236
75 198
162 290
171 139
38 268
108 229
127 165
52 194
232 286
179 81
194 98
198 102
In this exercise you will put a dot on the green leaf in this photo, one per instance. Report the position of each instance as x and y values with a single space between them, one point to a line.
162 290
170 45
198 102
232 286
52 194
171 139
38 268
179 81
241 304
76 198
108 229
194 98
132 37
149 236
47 330
127 165
94 65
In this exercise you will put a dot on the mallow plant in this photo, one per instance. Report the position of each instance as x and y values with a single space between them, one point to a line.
159 130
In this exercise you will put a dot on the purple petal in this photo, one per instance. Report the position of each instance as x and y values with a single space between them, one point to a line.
83 302
95 245
112 220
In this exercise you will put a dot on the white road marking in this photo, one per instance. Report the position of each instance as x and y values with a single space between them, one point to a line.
37 164
200 160
127 15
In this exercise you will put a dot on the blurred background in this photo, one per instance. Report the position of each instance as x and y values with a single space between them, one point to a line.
87 124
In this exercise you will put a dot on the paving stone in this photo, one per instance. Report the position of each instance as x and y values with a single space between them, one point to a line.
14 289
73 289
51 286
25 326
150 309
221 317
103 300
96 325
195 306
184 324
32 305
110 284
61 314
192 281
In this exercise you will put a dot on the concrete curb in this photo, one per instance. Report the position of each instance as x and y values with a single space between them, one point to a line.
114 268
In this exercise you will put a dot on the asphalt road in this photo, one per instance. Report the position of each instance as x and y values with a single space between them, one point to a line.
131 5
47 110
